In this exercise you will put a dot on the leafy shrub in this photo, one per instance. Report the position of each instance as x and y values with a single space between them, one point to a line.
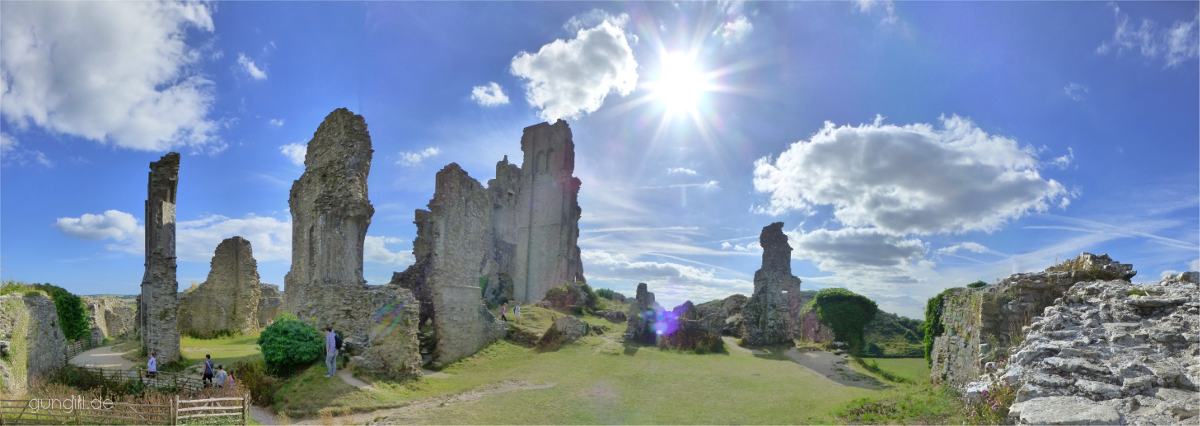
72 313
977 284
1136 291
933 322
252 373
846 313
605 293
288 345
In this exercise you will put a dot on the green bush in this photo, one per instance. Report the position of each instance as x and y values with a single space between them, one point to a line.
72 313
846 313
605 293
288 345
933 322
253 375
977 284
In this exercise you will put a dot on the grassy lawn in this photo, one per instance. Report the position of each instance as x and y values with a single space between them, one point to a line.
224 351
915 369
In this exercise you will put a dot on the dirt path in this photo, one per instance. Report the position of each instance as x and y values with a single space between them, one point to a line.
824 364
103 357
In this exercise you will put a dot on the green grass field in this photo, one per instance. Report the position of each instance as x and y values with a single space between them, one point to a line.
915 369
224 351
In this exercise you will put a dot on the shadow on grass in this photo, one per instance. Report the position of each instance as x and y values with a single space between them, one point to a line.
833 367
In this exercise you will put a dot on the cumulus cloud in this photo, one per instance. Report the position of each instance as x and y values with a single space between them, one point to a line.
907 179
681 170
1075 91
670 282
735 30
295 152
374 250
112 72
195 240
1064 161
1194 265
572 77
490 95
112 224
968 246
852 249
249 67
409 159
1174 45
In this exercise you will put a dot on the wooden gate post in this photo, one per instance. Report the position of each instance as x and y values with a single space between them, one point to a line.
246 409
175 410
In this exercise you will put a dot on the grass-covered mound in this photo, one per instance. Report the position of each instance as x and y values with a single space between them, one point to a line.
846 313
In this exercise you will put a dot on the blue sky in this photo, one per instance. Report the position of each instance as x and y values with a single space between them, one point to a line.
907 147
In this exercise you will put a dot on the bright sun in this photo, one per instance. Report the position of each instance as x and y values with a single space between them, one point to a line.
679 85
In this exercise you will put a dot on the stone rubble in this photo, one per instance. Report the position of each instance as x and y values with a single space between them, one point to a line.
689 332
158 304
227 301
394 353
724 317
981 324
565 329
1111 352
772 312
270 304
643 313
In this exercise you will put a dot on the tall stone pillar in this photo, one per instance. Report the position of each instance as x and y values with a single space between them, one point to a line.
772 311
548 213
158 306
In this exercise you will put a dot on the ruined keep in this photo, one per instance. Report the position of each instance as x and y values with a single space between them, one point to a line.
454 258
110 316
158 305
330 215
227 301
981 324
270 304
772 313
32 345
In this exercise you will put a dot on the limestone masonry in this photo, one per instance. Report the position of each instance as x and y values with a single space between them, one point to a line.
772 313
228 300
111 316
454 258
158 304
34 345
980 325
270 304
643 313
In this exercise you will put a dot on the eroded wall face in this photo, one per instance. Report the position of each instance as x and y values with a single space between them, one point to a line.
547 234
772 313
228 299
158 307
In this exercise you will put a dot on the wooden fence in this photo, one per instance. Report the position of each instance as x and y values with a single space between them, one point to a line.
162 379
78 347
177 412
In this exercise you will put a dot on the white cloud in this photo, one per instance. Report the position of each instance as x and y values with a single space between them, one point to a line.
250 68
113 224
490 95
1064 161
295 152
112 72
866 6
1175 44
855 249
968 246
410 159
712 184
1194 265
12 153
681 170
1075 91
567 78
726 245
374 250
672 283
735 30
277 122
910 179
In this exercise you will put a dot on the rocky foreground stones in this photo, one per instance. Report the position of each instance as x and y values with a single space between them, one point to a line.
1109 352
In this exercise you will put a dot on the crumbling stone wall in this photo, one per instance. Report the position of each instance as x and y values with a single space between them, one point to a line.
643 314
454 239
270 304
330 215
110 316
1109 352
547 215
227 301
34 347
689 332
158 305
723 316
394 352
773 311
980 325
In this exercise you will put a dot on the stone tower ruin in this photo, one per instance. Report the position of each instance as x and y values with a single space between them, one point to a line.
158 304
771 314
228 300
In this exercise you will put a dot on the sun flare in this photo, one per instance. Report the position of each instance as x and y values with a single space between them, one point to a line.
679 85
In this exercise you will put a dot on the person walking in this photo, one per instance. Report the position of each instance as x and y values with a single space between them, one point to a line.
152 366
209 370
517 312
504 310
331 350
221 375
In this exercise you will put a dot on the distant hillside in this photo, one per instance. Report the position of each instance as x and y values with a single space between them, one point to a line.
891 335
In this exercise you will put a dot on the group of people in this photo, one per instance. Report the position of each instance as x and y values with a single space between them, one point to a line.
516 312
211 371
